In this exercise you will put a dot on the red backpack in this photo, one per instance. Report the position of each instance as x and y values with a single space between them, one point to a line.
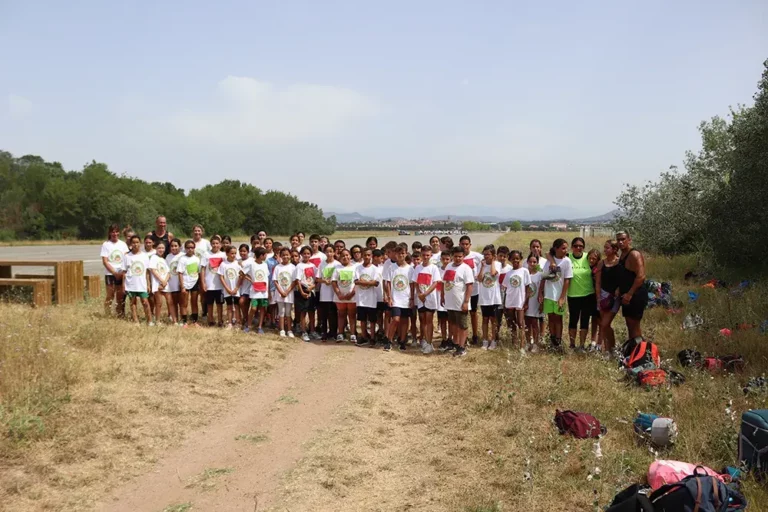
644 352
579 424
652 378
730 363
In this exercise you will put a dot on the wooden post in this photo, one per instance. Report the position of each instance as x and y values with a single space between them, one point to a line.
93 286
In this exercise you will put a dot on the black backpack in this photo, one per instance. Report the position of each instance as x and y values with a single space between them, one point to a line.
697 493
689 357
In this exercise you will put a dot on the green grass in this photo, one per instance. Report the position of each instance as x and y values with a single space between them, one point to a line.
206 479
181 507
288 399
252 438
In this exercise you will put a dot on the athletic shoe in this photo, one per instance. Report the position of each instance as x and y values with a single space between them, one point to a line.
372 342
184 326
260 331
493 345
427 348
361 342
403 347
474 340
523 352
290 334
353 339
339 338
151 324
246 330
314 335
452 346
485 345
572 346
282 334
387 346
444 345
460 352
305 337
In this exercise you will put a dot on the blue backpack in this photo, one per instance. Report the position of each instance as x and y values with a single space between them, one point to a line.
697 493
753 441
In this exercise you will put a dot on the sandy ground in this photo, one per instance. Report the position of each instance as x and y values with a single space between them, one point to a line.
90 253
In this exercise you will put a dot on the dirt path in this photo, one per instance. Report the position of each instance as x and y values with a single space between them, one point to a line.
236 463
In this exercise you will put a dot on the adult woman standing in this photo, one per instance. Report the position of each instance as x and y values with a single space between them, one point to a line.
557 279
581 294
607 285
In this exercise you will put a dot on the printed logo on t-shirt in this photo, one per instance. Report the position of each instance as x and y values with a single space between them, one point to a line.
488 280
533 289
137 268
448 278
345 278
174 265
162 268
116 256
214 263
424 281
231 274
470 262
328 272
193 269
400 283
309 276
284 278
515 281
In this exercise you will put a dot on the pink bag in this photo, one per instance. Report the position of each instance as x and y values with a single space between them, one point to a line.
663 472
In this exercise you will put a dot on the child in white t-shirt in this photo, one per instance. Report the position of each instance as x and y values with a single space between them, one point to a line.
398 288
282 275
304 293
502 256
245 257
327 317
367 281
112 253
489 296
458 281
160 275
425 279
557 275
210 282
343 283
229 275
257 278
174 285
442 313
188 269
135 265
533 311
517 283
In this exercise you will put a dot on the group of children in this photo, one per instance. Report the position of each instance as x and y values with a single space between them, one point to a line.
325 290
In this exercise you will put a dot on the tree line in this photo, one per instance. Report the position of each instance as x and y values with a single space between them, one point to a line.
42 200
717 207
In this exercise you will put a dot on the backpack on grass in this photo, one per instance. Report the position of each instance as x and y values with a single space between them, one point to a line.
689 357
729 363
698 492
641 353
753 441
657 377
579 424
659 431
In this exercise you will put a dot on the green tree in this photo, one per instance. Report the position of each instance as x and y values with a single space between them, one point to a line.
516 226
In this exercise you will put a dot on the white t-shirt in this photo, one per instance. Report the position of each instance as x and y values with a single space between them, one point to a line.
317 259
435 259
327 270
114 252
400 285
502 274
424 277
345 279
533 301
258 286
150 253
455 281
189 268
386 268
173 262
135 266
245 268
283 275
211 262
490 291
380 288
439 288
161 266
202 247
553 287
305 274
473 260
516 283
230 272
367 296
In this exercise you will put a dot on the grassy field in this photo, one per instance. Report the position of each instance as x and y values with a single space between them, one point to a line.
88 402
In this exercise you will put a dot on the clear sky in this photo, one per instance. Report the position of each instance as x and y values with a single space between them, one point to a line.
358 104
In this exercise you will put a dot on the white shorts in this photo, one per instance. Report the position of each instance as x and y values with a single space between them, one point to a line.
284 309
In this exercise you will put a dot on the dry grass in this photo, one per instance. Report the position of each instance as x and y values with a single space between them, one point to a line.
436 433
87 403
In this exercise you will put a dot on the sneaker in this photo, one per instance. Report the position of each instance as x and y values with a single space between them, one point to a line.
427 348
474 340
372 342
339 338
493 345
282 334
444 345
361 342
486 343
314 335
290 334
229 327
387 346
246 330
423 345
523 352
451 346
184 326
305 337
151 324
534 348
353 339
260 331
572 346
403 346
460 352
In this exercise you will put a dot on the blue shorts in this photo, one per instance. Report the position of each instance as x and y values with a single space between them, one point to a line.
401 312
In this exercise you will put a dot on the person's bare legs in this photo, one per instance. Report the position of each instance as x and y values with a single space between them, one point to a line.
147 310
109 300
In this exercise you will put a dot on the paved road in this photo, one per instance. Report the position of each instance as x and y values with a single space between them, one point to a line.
90 253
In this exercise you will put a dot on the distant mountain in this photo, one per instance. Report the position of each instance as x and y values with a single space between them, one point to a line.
346 218
486 213
606 217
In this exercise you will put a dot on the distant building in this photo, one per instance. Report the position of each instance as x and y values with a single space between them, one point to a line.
560 226
588 231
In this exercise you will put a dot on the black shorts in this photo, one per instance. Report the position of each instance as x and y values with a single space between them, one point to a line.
489 311
424 309
366 314
111 280
580 310
636 307
195 288
214 296
473 302
246 296
442 315
231 300
401 312
301 304
381 306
